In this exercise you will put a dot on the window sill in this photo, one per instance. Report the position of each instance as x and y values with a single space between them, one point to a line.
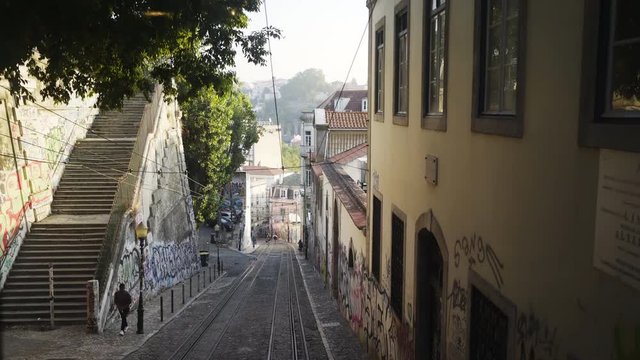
434 122
509 126
378 117
402 120
623 137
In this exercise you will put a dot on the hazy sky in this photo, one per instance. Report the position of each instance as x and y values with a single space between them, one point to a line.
320 34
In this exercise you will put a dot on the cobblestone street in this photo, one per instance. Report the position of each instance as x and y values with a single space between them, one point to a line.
247 313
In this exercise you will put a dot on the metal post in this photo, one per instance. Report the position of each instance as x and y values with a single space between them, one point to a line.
172 301
218 251
161 309
51 297
198 282
209 274
204 279
183 293
191 286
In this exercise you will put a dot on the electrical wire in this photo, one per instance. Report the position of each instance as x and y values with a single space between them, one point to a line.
122 180
324 138
273 85
93 132
159 172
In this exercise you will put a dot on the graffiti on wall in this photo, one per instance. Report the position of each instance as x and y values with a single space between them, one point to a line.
165 265
468 252
536 340
476 251
365 304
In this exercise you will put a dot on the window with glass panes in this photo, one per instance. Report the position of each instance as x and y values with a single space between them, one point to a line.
501 41
610 106
435 39
402 62
623 68
379 70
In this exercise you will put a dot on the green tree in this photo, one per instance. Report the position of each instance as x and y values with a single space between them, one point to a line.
117 48
291 157
217 132
304 91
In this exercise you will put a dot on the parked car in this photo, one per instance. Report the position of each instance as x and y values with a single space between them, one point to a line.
225 215
226 224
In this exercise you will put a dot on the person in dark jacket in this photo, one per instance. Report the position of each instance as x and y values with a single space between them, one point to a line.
123 301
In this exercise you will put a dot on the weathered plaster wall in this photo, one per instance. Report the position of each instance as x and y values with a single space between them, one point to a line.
164 205
43 136
519 213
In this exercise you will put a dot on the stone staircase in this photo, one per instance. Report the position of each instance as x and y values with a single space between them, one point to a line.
72 237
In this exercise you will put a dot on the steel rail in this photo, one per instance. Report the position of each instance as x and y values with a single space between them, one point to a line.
194 337
295 289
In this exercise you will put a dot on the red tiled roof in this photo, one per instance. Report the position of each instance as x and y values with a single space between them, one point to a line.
356 120
348 156
352 197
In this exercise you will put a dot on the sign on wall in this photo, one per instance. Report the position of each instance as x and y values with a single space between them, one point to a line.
617 237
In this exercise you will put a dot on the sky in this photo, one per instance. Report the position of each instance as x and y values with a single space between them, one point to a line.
321 34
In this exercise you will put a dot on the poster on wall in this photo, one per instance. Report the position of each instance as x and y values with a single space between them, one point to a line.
617 237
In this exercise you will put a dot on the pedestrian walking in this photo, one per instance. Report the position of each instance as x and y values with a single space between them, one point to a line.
122 300
253 240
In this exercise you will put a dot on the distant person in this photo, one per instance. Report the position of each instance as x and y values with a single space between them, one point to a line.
123 301
253 240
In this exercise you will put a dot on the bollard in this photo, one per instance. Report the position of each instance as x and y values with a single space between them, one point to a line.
191 286
183 293
198 282
209 274
204 279
172 301
161 310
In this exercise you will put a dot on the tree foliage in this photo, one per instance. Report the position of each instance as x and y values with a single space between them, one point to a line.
291 157
304 91
116 48
217 132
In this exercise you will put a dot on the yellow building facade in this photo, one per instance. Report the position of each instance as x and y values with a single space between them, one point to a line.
504 195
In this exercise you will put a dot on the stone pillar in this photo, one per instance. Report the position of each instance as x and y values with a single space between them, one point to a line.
93 305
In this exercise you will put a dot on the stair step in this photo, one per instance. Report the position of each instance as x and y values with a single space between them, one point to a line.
74 252
44 278
44 264
84 200
56 270
59 315
64 284
76 306
39 298
56 260
28 246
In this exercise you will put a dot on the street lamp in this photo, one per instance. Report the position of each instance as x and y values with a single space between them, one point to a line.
216 229
141 235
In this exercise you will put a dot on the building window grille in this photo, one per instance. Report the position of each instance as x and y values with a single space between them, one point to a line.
375 237
488 329
397 264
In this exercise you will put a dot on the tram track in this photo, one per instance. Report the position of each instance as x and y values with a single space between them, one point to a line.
194 339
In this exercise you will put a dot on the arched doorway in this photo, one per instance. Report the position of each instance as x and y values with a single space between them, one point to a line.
430 297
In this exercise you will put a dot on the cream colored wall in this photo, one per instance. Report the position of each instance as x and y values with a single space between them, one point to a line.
532 200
